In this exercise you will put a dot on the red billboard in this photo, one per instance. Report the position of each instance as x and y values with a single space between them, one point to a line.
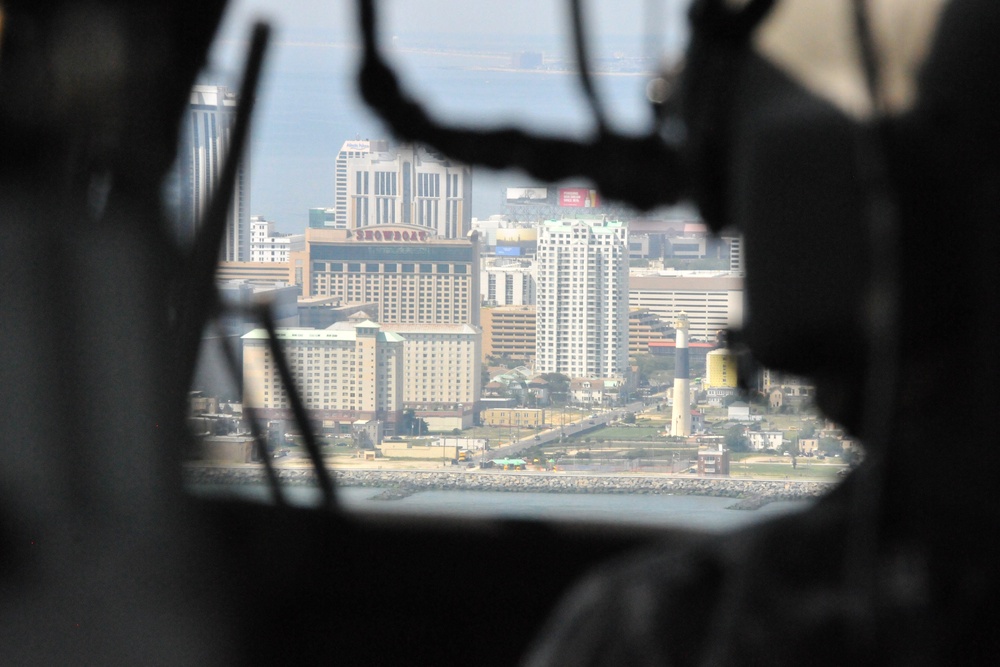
578 198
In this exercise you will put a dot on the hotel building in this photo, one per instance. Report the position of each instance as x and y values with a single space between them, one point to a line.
343 374
367 371
376 184
441 370
413 277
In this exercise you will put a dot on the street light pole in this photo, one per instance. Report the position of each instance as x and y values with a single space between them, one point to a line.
461 425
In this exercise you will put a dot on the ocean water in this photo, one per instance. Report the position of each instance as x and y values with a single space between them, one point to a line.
697 512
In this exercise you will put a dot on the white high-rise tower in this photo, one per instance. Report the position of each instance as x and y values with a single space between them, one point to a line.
207 130
582 299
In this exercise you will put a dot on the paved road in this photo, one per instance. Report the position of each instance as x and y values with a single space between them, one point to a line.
582 425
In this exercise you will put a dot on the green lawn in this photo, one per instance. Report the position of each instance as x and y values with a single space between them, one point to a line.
785 470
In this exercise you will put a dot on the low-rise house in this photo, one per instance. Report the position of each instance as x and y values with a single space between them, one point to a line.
760 440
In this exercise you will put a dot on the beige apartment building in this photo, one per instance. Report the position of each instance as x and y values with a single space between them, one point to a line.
343 374
414 277
509 331
366 371
441 372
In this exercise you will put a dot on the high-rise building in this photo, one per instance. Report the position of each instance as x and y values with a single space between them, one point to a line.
735 244
403 185
509 331
343 374
367 371
508 282
414 278
358 148
582 299
206 138
713 301
644 327
324 218
441 368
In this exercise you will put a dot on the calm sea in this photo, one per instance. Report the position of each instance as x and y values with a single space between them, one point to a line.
700 512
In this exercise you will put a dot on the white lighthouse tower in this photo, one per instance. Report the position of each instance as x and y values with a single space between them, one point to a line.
680 421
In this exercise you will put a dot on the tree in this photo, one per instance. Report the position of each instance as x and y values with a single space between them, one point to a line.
410 425
651 366
735 440
830 446
853 456
790 447
558 384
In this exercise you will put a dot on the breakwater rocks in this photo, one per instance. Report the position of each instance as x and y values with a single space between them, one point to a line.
395 493
400 484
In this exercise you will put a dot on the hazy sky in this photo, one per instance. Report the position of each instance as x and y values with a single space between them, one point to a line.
308 104
335 18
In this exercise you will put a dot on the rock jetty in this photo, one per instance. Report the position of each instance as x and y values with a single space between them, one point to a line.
399 483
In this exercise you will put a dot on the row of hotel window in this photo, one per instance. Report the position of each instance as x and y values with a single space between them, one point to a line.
426 213
338 267
428 185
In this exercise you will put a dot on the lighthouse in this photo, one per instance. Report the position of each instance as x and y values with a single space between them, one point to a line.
680 421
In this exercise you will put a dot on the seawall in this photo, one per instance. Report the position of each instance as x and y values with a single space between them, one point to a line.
753 493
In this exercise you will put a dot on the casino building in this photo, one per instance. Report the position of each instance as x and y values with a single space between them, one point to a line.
378 184
413 276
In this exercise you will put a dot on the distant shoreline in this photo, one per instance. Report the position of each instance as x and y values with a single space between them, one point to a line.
516 70
753 494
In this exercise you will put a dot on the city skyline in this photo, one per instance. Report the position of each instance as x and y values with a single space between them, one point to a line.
308 106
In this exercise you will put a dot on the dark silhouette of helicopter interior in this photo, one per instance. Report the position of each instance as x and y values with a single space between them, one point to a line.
104 559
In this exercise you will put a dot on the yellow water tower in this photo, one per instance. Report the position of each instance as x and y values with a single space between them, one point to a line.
720 369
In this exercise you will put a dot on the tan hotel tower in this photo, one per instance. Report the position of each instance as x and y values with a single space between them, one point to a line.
415 277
